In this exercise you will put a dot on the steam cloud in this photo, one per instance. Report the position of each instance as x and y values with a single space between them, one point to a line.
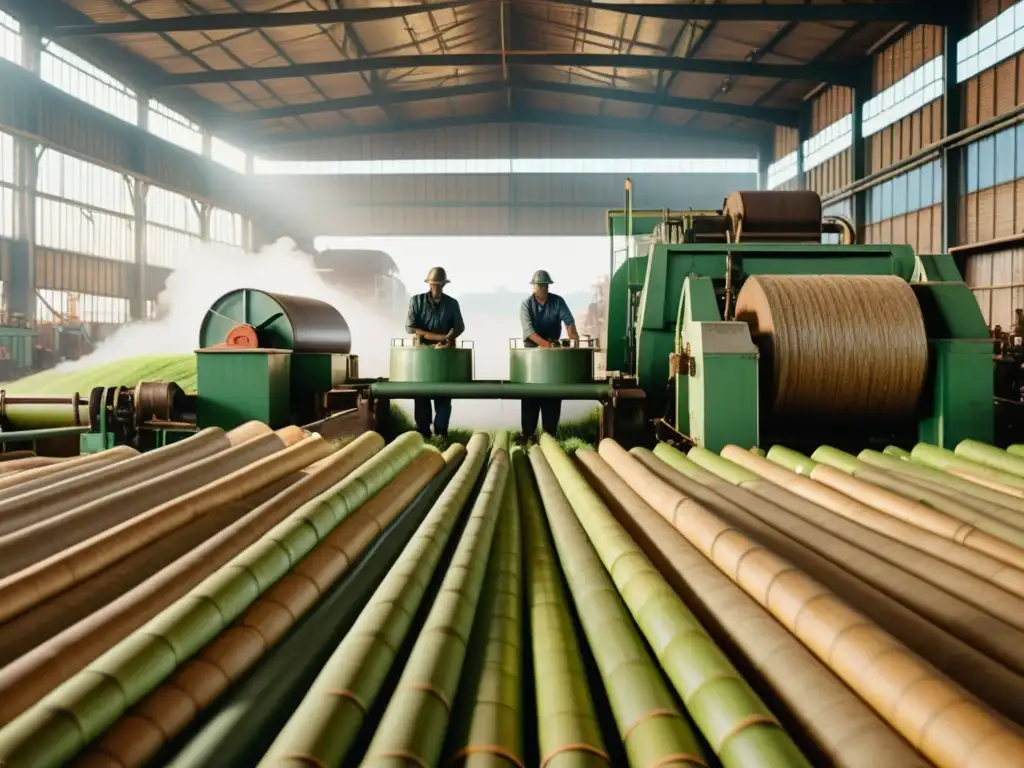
209 271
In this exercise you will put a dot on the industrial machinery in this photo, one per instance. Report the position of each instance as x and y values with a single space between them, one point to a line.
752 331
736 326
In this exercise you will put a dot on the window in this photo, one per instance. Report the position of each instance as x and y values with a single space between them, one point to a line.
987 162
227 155
74 75
84 208
906 193
972 167
914 185
782 170
920 87
56 306
174 127
173 226
7 212
501 166
996 41
10 38
1006 166
226 227
828 143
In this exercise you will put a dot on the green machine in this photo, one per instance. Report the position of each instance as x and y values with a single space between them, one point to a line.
429 363
710 373
269 357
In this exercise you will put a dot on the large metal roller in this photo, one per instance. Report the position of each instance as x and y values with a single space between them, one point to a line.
765 215
279 321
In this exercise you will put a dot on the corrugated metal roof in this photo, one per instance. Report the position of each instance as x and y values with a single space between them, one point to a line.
513 32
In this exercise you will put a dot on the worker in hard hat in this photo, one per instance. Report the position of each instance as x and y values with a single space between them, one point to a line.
542 316
436 319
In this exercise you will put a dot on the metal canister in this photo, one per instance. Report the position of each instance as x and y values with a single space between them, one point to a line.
571 363
430 364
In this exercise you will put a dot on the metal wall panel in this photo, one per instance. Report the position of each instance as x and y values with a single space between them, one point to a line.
920 129
830 106
997 280
515 140
921 229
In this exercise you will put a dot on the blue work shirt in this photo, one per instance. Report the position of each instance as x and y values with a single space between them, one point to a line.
439 316
545 319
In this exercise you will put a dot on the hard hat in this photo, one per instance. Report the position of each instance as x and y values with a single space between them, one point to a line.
541 277
437 276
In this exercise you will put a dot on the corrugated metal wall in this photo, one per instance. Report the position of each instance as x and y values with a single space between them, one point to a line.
830 107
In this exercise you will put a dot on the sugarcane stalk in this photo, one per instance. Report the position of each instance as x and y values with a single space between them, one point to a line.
653 730
950 727
138 737
416 719
951 485
990 456
947 461
741 730
843 727
247 719
568 731
487 721
77 712
327 723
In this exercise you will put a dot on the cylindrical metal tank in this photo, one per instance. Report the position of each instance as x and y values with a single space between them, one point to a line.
281 322
430 364
557 365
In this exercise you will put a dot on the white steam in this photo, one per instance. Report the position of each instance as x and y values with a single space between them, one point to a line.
209 271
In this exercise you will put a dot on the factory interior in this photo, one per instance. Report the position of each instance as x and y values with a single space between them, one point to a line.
771 514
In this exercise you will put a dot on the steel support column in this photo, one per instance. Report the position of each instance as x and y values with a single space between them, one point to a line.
803 133
859 153
21 294
140 192
953 121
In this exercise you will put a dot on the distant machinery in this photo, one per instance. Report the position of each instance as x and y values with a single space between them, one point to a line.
368 275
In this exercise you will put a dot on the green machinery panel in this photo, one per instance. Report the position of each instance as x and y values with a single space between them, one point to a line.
717 384
430 364
240 385
557 365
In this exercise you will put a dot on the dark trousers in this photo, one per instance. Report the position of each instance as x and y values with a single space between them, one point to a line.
441 416
549 409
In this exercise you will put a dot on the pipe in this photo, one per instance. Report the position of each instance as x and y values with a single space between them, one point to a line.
27 680
567 722
947 725
21 412
737 725
247 719
416 719
490 390
139 736
653 730
360 665
488 719
842 726
30 435
43 736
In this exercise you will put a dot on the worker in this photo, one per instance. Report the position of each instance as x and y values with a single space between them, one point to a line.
434 319
542 316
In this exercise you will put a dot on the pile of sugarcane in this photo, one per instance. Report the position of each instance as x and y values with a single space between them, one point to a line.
398 606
